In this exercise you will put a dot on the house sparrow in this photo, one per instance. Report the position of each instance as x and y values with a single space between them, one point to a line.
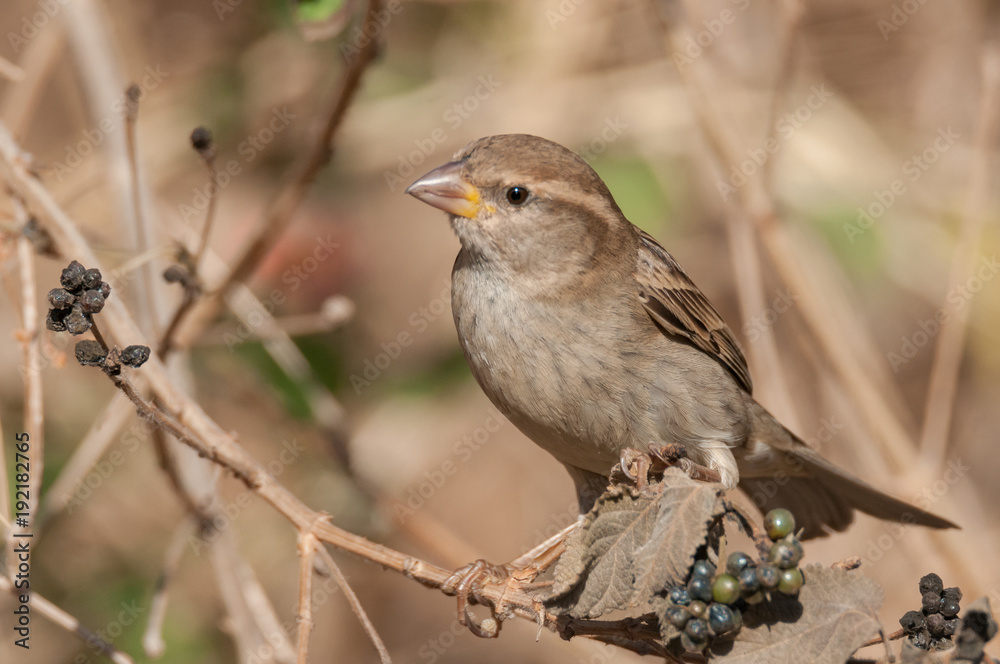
591 339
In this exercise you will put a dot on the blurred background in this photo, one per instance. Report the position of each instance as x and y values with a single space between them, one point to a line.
824 170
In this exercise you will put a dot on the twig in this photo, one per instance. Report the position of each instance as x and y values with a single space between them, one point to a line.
152 638
307 558
948 351
70 624
143 226
34 416
352 599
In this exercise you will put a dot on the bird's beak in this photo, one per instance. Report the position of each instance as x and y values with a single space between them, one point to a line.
446 189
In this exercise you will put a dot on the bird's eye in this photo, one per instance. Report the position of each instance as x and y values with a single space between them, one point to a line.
517 195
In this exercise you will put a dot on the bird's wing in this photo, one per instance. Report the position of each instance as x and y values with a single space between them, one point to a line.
673 301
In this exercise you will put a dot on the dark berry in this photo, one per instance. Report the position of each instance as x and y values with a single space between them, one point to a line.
930 602
677 616
930 583
700 587
135 356
921 640
689 645
951 626
912 622
92 301
789 581
77 322
703 568
679 596
697 608
92 279
769 575
201 139
89 353
936 625
105 289
174 274
72 276
697 630
737 562
779 523
952 593
749 583
725 589
949 608
60 298
720 618
785 555
737 619
56 320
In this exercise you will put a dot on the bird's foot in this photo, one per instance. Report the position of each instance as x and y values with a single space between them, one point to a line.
642 468
466 583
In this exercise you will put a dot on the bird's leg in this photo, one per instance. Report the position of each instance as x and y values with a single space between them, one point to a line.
635 465
519 573
672 454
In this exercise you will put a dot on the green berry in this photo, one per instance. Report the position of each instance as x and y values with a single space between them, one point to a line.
779 523
726 589
790 580
720 619
737 562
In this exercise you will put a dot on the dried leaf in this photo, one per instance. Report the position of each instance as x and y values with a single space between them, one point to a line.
600 578
633 545
687 508
834 614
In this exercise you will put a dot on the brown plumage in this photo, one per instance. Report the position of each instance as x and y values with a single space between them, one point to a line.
589 336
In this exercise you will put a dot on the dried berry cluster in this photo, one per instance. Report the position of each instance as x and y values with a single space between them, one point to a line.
72 309
712 604
937 620
82 295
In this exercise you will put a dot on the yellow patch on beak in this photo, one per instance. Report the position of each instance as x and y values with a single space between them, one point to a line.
447 190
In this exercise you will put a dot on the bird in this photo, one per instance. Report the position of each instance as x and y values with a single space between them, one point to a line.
589 336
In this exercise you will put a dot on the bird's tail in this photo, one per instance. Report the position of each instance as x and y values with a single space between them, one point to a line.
821 496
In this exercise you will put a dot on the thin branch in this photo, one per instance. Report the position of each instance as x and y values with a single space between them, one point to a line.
355 603
948 351
40 57
152 638
307 558
70 624
34 415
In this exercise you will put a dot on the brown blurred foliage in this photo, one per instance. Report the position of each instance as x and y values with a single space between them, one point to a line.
870 148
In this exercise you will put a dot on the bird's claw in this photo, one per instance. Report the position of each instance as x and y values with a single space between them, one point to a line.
464 583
